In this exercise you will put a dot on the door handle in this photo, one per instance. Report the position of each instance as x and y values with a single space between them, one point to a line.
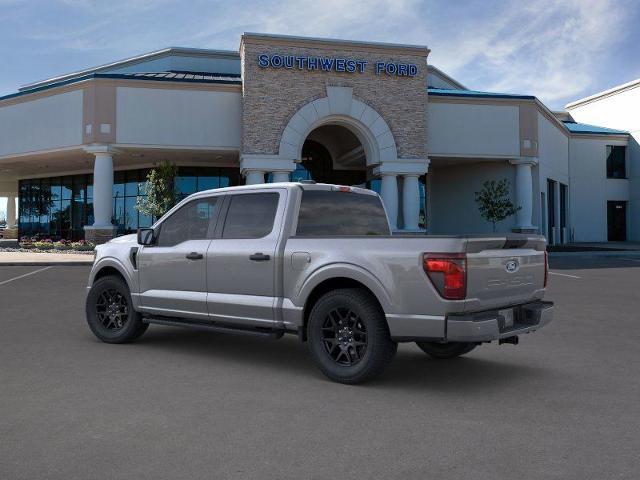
259 257
195 256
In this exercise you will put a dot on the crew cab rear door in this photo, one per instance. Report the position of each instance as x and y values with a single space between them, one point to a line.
241 260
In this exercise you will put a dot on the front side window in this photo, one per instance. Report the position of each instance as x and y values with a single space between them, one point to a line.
332 213
251 215
190 222
616 165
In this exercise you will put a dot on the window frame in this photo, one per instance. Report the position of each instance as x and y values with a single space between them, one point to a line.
211 228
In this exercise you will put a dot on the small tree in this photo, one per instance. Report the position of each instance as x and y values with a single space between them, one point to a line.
160 190
494 201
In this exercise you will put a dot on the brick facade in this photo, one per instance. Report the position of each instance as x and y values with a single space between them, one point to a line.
271 96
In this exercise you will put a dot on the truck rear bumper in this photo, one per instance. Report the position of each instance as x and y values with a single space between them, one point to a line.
493 324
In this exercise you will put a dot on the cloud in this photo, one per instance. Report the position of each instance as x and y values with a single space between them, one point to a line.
551 49
557 50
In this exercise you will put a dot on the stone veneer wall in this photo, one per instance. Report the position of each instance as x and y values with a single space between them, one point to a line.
271 96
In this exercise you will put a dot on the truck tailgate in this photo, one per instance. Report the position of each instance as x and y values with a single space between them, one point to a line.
504 271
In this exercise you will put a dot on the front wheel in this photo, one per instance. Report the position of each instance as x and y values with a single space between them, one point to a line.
442 351
110 314
348 336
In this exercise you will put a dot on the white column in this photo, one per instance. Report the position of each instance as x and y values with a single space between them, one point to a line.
103 190
410 202
11 212
253 167
280 176
389 193
524 192
254 177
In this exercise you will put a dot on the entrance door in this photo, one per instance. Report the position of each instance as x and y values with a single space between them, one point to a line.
173 272
617 221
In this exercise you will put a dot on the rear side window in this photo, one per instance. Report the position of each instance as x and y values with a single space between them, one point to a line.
331 213
250 215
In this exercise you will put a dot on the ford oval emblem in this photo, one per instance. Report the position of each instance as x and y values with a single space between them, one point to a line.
511 266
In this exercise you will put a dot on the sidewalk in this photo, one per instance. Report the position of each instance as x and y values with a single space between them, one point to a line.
38 259
595 249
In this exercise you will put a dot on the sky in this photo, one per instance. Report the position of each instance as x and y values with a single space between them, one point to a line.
557 50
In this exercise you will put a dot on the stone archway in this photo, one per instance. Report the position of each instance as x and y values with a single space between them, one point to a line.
340 108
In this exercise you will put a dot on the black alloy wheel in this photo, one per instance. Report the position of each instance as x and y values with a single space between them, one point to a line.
344 336
348 336
110 313
112 309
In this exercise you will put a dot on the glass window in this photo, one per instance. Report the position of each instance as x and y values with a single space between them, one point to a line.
118 184
144 221
300 173
90 186
333 213
130 214
56 189
190 222
616 167
44 205
79 187
207 183
251 215
119 214
67 188
225 182
422 221
131 184
185 186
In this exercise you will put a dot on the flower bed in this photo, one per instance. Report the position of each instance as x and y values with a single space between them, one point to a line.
37 244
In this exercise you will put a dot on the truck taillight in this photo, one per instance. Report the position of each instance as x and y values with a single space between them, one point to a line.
448 273
546 268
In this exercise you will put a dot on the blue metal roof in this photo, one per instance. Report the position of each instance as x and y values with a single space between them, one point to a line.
444 92
188 77
585 128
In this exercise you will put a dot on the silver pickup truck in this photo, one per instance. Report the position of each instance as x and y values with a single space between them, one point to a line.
318 261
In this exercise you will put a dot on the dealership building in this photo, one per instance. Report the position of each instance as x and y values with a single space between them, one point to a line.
75 150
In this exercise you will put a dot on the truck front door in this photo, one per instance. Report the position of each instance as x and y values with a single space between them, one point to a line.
173 272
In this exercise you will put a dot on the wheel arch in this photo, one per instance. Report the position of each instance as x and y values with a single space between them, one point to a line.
335 278
111 266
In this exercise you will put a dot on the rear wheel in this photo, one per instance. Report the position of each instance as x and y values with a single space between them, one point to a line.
348 336
441 351
110 313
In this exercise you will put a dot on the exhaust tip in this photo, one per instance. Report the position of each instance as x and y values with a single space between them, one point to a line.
512 340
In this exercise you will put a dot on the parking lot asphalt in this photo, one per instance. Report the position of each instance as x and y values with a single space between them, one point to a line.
179 403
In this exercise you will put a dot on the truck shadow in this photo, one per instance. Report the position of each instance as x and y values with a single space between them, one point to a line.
287 356
459 375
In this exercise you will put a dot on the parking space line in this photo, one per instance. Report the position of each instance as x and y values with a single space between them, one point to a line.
25 275
564 275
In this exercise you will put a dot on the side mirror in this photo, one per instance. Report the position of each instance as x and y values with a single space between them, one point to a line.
146 236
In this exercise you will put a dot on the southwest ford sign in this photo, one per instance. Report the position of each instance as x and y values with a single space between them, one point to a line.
333 64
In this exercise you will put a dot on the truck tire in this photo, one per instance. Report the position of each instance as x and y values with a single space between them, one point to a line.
348 336
442 351
110 312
